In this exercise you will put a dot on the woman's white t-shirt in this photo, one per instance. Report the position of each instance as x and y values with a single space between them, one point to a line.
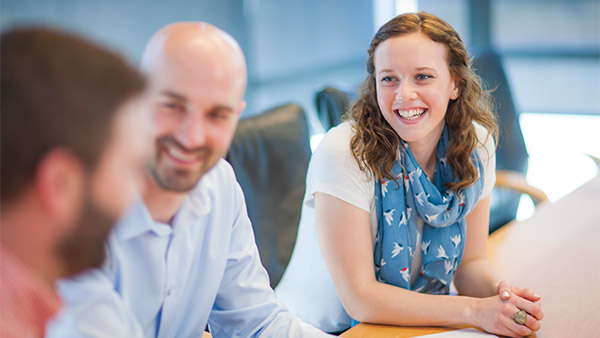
306 286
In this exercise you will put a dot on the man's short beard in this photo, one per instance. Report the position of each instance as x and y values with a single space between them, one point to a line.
173 179
172 184
84 246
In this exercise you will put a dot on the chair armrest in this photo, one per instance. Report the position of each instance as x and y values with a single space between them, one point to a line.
516 181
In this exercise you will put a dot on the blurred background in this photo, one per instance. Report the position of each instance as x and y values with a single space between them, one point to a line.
550 50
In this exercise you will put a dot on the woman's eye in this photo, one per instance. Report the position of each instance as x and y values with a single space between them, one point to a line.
388 79
422 77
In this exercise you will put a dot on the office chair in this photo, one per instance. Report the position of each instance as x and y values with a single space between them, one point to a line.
511 155
270 154
331 104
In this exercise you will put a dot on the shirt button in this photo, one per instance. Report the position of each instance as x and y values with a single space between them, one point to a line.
169 292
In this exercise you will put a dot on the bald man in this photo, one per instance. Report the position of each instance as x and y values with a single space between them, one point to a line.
185 256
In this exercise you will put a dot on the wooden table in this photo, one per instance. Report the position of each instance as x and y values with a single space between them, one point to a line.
556 253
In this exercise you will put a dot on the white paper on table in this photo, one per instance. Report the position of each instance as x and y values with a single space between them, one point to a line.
464 333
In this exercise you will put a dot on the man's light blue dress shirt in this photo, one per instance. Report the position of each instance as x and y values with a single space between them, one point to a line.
163 281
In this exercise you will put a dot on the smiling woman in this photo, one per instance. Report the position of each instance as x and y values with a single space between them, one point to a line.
414 87
398 197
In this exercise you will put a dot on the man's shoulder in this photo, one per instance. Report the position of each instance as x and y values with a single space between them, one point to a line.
220 178
222 172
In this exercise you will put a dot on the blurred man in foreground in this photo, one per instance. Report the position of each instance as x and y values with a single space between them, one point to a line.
186 256
69 155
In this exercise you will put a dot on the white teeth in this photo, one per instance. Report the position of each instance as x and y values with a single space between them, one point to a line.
181 156
410 114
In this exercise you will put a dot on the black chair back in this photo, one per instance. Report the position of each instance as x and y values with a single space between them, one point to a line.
511 153
270 154
331 104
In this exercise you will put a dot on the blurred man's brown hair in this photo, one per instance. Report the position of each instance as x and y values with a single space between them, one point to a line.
50 98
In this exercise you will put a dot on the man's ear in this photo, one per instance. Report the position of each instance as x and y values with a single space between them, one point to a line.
241 108
59 182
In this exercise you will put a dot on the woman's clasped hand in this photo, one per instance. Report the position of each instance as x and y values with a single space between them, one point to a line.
497 313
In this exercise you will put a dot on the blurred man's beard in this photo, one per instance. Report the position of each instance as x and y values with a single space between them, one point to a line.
84 246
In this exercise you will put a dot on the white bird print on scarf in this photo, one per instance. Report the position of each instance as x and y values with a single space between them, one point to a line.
444 161
405 274
418 172
420 197
448 266
432 217
389 216
456 240
425 246
403 220
384 187
397 249
441 252
408 211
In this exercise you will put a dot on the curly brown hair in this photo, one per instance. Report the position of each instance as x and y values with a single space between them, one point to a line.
375 144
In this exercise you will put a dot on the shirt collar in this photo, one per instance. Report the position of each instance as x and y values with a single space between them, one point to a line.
135 222
138 220
196 205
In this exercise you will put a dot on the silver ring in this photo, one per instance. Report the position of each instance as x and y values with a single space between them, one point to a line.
520 317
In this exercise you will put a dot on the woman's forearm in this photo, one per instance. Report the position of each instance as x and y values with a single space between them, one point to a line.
383 303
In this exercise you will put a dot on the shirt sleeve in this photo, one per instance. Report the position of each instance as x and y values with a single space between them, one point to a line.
487 153
333 170
246 305
94 310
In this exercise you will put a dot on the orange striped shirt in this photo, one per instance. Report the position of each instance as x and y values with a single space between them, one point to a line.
26 301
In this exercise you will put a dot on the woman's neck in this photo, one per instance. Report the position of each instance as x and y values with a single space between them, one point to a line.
425 154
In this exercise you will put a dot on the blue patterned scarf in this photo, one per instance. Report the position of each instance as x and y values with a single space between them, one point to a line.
443 213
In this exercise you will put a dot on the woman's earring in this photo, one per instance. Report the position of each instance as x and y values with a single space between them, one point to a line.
454 94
